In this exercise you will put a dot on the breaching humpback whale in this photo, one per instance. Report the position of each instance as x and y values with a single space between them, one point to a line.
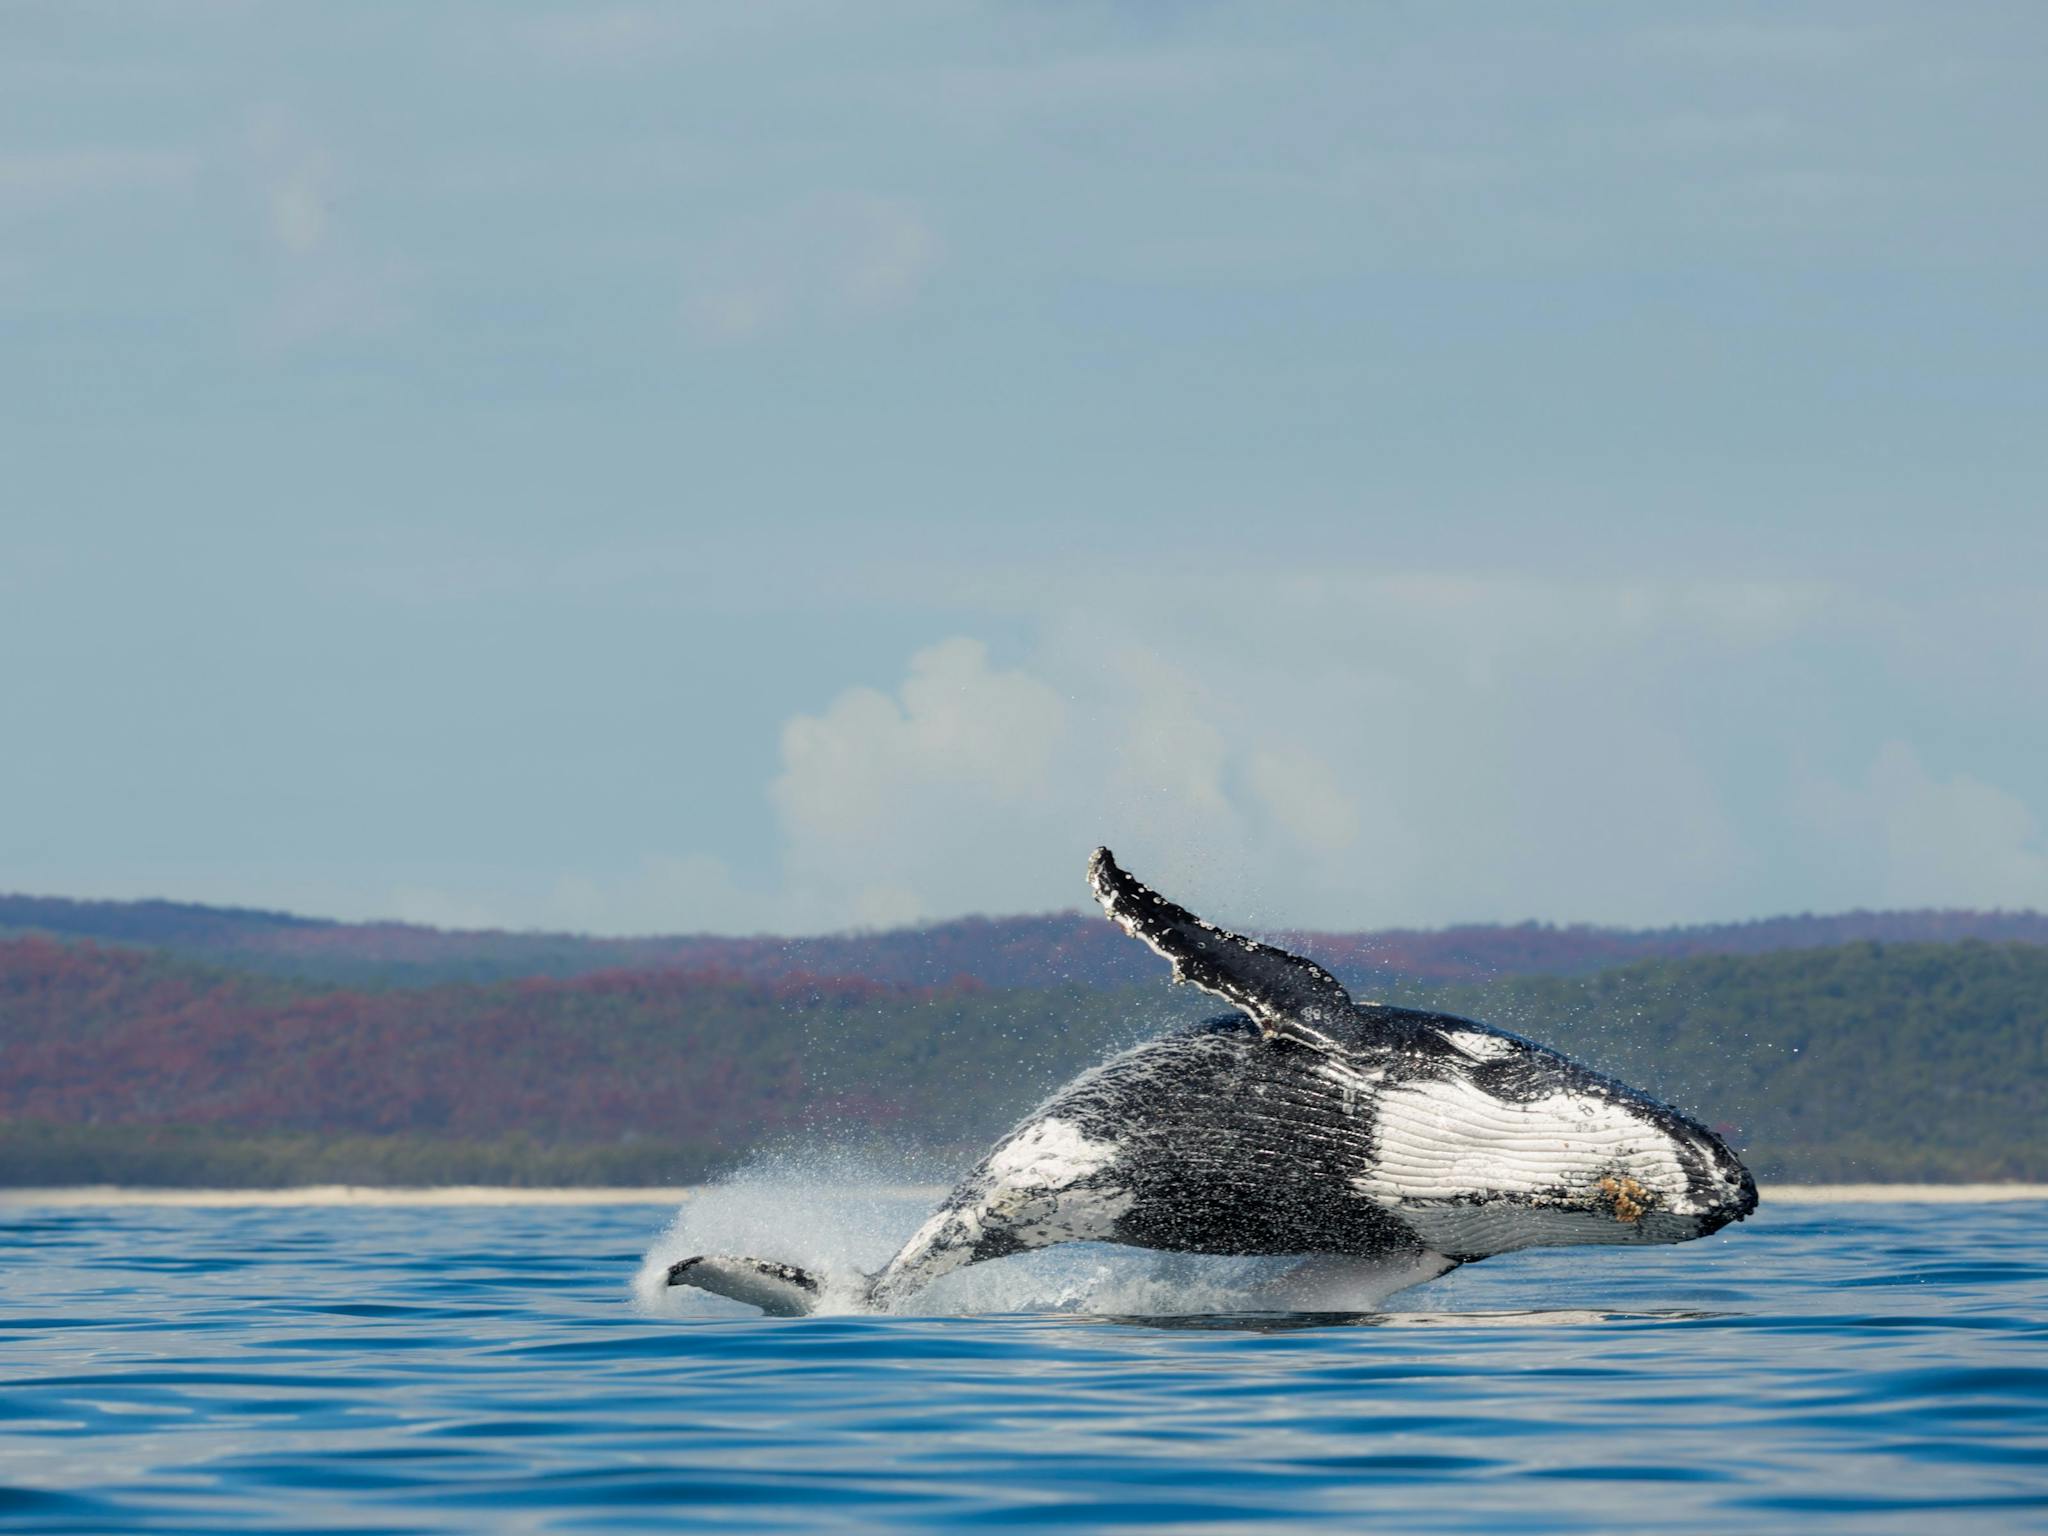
1304 1123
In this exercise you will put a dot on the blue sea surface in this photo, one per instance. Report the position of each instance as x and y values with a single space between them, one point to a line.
1856 1367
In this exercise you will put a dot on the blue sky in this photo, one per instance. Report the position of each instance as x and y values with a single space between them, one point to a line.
785 467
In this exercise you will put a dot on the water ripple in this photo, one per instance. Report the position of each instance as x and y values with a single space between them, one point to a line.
376 1369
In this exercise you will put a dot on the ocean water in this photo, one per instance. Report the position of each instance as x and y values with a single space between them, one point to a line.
1855 1367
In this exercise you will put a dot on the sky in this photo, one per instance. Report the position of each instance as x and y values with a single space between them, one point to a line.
791 467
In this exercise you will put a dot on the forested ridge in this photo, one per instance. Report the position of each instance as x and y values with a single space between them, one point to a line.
1867 1060
998 952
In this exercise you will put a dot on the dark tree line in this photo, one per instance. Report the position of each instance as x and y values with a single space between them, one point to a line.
1871 1061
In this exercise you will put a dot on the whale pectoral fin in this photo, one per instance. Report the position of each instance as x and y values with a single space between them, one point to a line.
1277 989
1345 1282
779 1290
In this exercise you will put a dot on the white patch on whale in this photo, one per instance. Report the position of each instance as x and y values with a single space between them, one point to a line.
1026 1196
1032 1174
1049 1154
1481 1044
1447 1147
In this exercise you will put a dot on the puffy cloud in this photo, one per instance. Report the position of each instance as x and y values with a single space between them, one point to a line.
657 894
695 893
1302 795
1911 839
1354 751
895 806
1329 750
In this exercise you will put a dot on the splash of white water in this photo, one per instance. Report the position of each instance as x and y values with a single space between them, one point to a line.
842 1219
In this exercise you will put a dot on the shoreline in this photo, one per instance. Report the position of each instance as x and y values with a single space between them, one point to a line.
83 1196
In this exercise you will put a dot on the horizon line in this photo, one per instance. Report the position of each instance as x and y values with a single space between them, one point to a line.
1081 914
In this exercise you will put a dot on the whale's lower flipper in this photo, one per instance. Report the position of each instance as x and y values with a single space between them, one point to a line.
1277 989
1344 1282
779 1290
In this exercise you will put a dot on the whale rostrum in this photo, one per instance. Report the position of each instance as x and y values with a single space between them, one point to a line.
1303 1123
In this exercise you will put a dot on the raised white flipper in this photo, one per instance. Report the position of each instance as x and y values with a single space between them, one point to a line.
1283 993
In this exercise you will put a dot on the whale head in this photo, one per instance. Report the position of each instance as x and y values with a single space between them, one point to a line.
1485 1142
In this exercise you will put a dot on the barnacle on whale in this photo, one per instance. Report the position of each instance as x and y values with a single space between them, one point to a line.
1630 1198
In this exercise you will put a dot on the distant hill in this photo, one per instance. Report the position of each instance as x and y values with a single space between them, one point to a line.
126 1064
997 952
1867 1060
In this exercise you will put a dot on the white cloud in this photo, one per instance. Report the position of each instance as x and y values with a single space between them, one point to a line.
892 806
1169 748
1776 42
1916 840
1712 133
606 36
823 260
298 211
1335 750
331 279
634 37
87 172
657 894
695 893
1348 750
976 787
436 908
1301 794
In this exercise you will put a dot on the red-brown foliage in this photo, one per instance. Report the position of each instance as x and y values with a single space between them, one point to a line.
120 1036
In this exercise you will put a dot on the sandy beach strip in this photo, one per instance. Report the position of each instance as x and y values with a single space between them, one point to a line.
1895 1194
482 1194
340 1194
81 1195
